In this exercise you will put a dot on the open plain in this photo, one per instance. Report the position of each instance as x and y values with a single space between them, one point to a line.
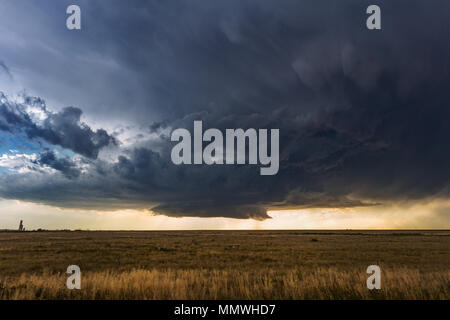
225 264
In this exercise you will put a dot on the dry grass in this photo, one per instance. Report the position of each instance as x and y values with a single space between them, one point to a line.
231 284
225 265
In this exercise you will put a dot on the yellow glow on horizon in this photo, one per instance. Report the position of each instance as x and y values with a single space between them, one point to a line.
429 215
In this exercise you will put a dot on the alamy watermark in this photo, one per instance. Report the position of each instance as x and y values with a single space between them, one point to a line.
74 280
374 281
73 21
240 147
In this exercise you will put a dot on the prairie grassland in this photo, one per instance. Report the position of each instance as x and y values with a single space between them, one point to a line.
322 283
225 264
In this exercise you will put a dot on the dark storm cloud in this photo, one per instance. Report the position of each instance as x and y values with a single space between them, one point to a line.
363 115
66 166
11 115
63 128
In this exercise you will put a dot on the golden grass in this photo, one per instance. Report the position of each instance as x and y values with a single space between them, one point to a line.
225 264
322 283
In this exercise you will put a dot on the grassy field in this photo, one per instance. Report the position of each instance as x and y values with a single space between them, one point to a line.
225 264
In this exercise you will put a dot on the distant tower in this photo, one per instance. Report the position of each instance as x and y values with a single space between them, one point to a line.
21 228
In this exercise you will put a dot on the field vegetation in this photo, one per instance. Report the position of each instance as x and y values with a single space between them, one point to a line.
225 264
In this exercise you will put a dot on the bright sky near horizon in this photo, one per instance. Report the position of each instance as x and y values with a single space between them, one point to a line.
419 216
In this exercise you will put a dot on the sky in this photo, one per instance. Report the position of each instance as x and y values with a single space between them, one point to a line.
86 115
